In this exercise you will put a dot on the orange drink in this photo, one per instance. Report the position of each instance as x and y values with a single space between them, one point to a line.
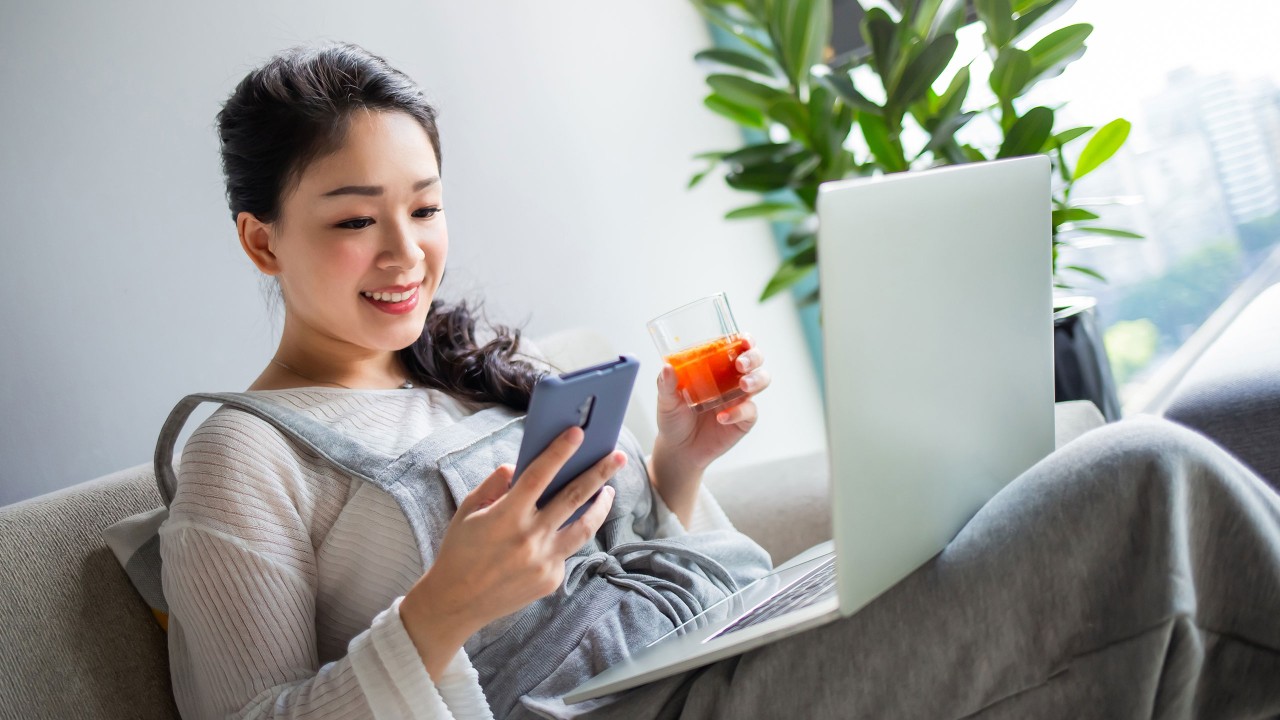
707 375
701 341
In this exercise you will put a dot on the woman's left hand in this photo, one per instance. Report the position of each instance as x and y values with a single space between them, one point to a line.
691 440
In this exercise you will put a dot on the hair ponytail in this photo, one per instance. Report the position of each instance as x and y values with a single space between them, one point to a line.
448 357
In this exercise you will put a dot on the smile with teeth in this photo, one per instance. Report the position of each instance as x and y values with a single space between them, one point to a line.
389 297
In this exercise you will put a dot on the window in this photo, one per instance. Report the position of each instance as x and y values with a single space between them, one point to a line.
1199 176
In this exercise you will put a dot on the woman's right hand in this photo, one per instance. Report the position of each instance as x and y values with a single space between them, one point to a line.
501 552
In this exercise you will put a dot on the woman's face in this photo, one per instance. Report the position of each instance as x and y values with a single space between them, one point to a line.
361 241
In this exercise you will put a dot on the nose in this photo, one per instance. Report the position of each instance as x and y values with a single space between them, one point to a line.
400 248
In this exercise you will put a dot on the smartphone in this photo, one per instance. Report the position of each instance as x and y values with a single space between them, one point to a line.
593 398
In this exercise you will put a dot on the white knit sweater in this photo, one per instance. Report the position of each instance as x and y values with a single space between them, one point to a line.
284 575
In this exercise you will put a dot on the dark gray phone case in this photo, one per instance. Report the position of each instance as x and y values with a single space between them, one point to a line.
594 398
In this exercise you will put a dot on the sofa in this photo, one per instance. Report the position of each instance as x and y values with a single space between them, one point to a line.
1232 391
79 642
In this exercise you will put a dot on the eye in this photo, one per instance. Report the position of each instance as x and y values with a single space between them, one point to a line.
355 223
427 212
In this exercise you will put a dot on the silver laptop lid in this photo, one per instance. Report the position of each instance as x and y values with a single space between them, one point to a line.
937 327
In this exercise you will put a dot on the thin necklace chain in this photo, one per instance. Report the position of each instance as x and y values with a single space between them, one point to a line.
403 386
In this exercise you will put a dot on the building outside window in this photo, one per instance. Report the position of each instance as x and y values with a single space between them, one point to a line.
1199 176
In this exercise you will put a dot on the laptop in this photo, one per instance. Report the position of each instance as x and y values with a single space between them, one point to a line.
937 333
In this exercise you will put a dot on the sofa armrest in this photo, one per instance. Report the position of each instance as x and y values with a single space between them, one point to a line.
79 642
1232 392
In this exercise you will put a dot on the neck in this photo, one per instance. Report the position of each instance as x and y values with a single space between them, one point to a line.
325 361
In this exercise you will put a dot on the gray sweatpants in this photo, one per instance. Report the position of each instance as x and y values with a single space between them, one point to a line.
1135 573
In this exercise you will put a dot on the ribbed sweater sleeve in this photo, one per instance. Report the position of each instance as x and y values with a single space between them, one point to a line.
240 576
707 516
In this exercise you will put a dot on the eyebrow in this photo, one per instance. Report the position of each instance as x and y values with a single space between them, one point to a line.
376 190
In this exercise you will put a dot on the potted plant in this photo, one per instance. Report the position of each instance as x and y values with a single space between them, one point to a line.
808 119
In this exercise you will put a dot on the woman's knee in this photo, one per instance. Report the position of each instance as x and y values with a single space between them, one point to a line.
1145 438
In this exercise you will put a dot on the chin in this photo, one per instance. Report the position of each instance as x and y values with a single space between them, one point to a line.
403 340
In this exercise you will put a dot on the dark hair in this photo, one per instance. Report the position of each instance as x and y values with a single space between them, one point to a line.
295 109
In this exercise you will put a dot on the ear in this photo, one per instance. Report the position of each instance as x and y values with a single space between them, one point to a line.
255 238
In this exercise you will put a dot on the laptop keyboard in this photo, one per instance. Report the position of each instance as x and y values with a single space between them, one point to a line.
803 593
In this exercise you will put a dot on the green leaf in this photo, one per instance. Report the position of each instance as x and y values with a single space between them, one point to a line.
1030 20
933 18
762 153
973 153
952 99
1011 73
942 134
881 35
734 59
807 256
774 211
997 16
1058 46
765 177
1072 215
1057 69
792 114
1102 146
788 274
1028 134
1022 6
805 168
1111 232
712 155
924 70
822 122
744 28
840 133
807 35
1086 271
947 18
801 236
745 116
697 178
1067 136
882 147
842 86
742 91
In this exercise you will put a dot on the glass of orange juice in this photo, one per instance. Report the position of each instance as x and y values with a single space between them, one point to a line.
701 341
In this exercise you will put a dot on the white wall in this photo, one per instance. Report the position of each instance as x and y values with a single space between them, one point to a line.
567 132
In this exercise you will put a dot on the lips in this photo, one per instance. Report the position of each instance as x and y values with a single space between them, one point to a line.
395 303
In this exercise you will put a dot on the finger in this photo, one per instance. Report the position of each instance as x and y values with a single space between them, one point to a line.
743 414
576 535
580 489
667 380
668 390
535 478
755 382
489 491
749 360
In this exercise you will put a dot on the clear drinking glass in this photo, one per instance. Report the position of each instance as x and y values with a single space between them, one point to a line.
701 341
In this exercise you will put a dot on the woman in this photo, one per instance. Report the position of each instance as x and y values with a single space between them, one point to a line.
345 540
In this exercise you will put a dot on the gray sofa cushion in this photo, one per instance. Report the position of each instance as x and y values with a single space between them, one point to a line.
78 641
1232 393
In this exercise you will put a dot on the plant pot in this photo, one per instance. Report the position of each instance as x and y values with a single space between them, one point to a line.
1081 368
